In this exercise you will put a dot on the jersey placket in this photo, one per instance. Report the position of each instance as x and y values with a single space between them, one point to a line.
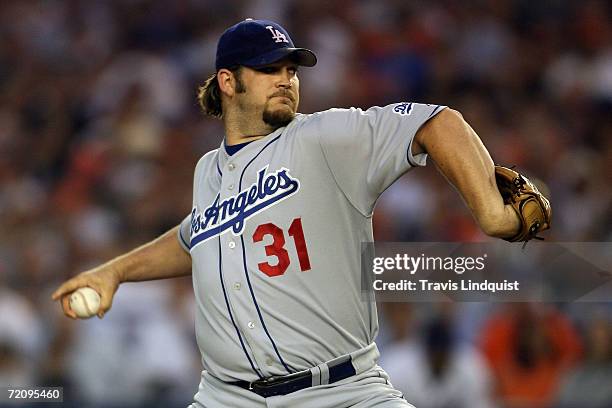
237 287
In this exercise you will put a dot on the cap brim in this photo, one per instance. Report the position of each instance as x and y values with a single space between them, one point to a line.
300 56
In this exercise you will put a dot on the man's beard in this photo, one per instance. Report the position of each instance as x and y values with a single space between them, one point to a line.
277 119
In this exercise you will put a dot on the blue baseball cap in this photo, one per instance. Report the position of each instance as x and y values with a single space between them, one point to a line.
255 43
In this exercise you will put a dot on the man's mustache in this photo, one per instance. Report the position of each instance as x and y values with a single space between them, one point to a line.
285 94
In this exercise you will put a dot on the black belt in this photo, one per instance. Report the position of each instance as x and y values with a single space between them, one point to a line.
339 369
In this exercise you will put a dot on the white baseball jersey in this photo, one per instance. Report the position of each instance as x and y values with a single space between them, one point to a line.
275 238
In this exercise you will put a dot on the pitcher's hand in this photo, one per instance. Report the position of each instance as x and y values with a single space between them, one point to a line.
104 279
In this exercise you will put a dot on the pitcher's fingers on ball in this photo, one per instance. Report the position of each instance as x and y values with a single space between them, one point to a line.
66 288
66 307
106 299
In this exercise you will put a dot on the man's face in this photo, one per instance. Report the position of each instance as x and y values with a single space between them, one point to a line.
272 91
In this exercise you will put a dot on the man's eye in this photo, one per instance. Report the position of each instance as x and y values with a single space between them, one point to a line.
267 70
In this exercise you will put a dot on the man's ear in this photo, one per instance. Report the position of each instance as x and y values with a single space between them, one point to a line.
227 82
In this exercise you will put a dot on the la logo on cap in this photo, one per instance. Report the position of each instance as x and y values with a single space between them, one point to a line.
277 35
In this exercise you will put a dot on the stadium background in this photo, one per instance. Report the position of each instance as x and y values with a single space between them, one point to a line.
100 131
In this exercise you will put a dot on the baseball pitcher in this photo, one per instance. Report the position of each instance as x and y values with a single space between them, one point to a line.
279 213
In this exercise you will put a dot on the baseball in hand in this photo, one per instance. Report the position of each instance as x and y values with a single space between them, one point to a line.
85 302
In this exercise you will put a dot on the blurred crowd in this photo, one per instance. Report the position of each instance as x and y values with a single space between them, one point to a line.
100 131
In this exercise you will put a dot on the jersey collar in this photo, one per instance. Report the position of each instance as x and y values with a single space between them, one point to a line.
247 150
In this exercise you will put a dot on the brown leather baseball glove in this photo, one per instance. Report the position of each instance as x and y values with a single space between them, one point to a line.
531 206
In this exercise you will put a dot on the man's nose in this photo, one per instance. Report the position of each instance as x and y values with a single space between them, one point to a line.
286 78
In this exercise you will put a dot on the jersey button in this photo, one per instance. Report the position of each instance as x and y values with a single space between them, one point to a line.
269 361
231 166
251 325
232 245
237 285
230 187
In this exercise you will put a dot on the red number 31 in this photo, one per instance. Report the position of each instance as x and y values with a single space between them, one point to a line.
277 247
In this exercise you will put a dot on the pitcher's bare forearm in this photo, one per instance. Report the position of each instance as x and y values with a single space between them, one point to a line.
159 259
463 159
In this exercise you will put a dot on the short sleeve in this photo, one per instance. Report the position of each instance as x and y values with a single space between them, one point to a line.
368 150
183 234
